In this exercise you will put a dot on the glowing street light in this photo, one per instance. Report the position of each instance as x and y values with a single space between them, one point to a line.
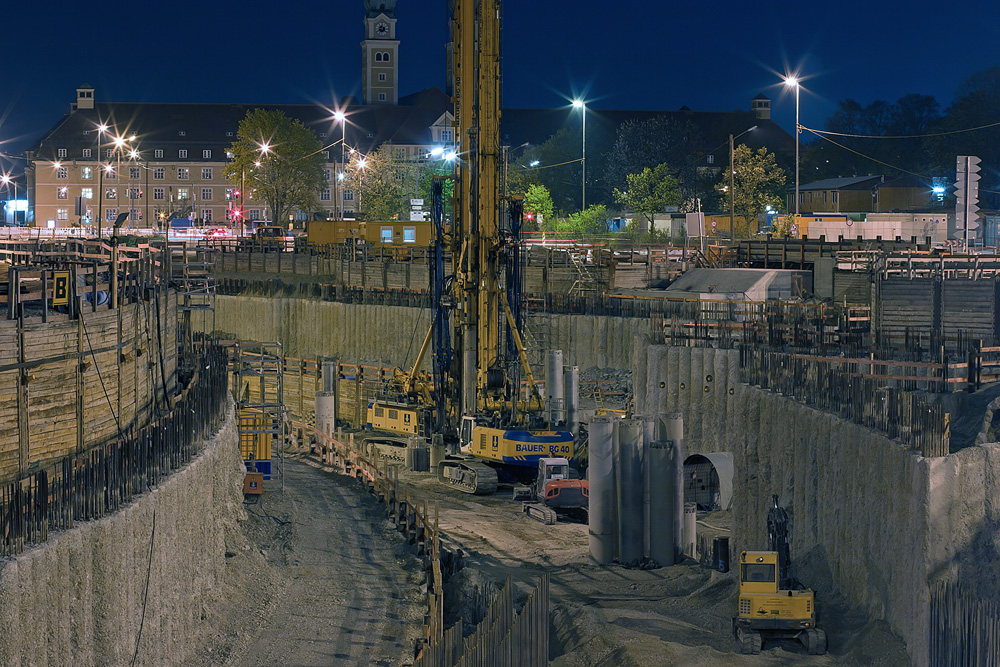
793 82
341 118
579 104
534 163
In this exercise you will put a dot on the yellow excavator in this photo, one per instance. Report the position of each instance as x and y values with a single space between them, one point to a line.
772 605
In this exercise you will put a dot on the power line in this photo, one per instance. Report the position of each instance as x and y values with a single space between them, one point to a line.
898 136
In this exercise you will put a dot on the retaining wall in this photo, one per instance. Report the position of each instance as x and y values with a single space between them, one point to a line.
312 328
78 599
872 521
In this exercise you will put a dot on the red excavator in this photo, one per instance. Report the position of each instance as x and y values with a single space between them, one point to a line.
554 493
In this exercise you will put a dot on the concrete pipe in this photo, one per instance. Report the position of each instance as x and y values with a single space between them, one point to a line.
437 451
672 428
690 529
571 386
326 412
648 436
555 394
662 542
630 491
329 372
600 474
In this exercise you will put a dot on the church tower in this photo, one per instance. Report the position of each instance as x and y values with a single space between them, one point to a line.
380 54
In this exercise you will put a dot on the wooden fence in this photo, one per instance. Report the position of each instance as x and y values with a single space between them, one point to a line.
964 629
98 481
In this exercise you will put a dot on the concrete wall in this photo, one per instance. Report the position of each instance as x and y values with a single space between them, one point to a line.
78 599
310 328
871 520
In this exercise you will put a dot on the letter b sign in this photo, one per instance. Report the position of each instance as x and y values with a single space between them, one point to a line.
60 292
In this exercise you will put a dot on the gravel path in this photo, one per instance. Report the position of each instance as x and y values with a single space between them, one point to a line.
348 591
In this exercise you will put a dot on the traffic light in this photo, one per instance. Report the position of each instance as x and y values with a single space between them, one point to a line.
236 194
967 194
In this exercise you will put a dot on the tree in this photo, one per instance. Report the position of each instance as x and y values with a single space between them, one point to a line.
759 183
650 192
377 183
538 203
558 170
278 160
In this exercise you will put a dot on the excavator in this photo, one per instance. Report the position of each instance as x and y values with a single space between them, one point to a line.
479 358
772 604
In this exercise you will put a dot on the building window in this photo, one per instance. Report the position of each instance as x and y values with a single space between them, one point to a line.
206 215
134 193
206 173
110 214
182 133
400 153
206 154
182 153
158 194
158 153
87 193
710 159
326 174
109 171
381 76
348 195
378 56
229 155
381 97
61 152
159 173
325 195
111 193
183 173
230 194
133 173
183 193
802 198
385 56
86 173
349 213
386 234
62 214
206 194
229 133
135 215
62 172
446 136
409 234
836 197
326 155
62 192
322 135
86 152
108 153
254 214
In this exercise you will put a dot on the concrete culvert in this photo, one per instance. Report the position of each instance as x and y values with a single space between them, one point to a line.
708 481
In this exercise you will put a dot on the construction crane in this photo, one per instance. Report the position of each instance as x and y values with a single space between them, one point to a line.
772 604
479 359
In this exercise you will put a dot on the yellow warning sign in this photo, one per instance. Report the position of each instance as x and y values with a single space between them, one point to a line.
60 291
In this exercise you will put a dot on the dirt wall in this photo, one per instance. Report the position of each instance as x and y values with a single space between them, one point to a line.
78 599
872 521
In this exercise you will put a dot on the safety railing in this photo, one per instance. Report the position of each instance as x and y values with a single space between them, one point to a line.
100 480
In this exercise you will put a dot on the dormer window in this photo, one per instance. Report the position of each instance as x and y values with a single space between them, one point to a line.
181 133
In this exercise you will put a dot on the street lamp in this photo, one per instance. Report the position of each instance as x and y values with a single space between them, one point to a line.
732 181
101 129
792 82
341 118
579 104
7 180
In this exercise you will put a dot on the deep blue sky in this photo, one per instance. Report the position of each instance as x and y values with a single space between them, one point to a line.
711 56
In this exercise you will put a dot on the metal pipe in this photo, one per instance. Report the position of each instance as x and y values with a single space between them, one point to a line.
600 474
554 387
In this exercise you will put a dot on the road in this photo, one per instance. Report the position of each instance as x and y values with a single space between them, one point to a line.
350 589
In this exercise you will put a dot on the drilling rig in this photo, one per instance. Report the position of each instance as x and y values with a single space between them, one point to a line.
479 359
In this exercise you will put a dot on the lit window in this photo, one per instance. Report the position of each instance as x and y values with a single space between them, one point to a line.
230 193
206 173
409 234
87 193
133 173
109 172
62 172
111 193
62 214
182 153
325 195
86 152
158 194
61 152
326 174
134 193
110 214
386 234
183 193
86 173
229 155
183 173
158 153
206 194
206 215
206 154
159 173
62 192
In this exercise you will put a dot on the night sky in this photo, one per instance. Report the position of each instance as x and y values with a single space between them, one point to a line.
709 56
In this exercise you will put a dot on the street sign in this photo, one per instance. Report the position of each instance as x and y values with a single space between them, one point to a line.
60 290
416 202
